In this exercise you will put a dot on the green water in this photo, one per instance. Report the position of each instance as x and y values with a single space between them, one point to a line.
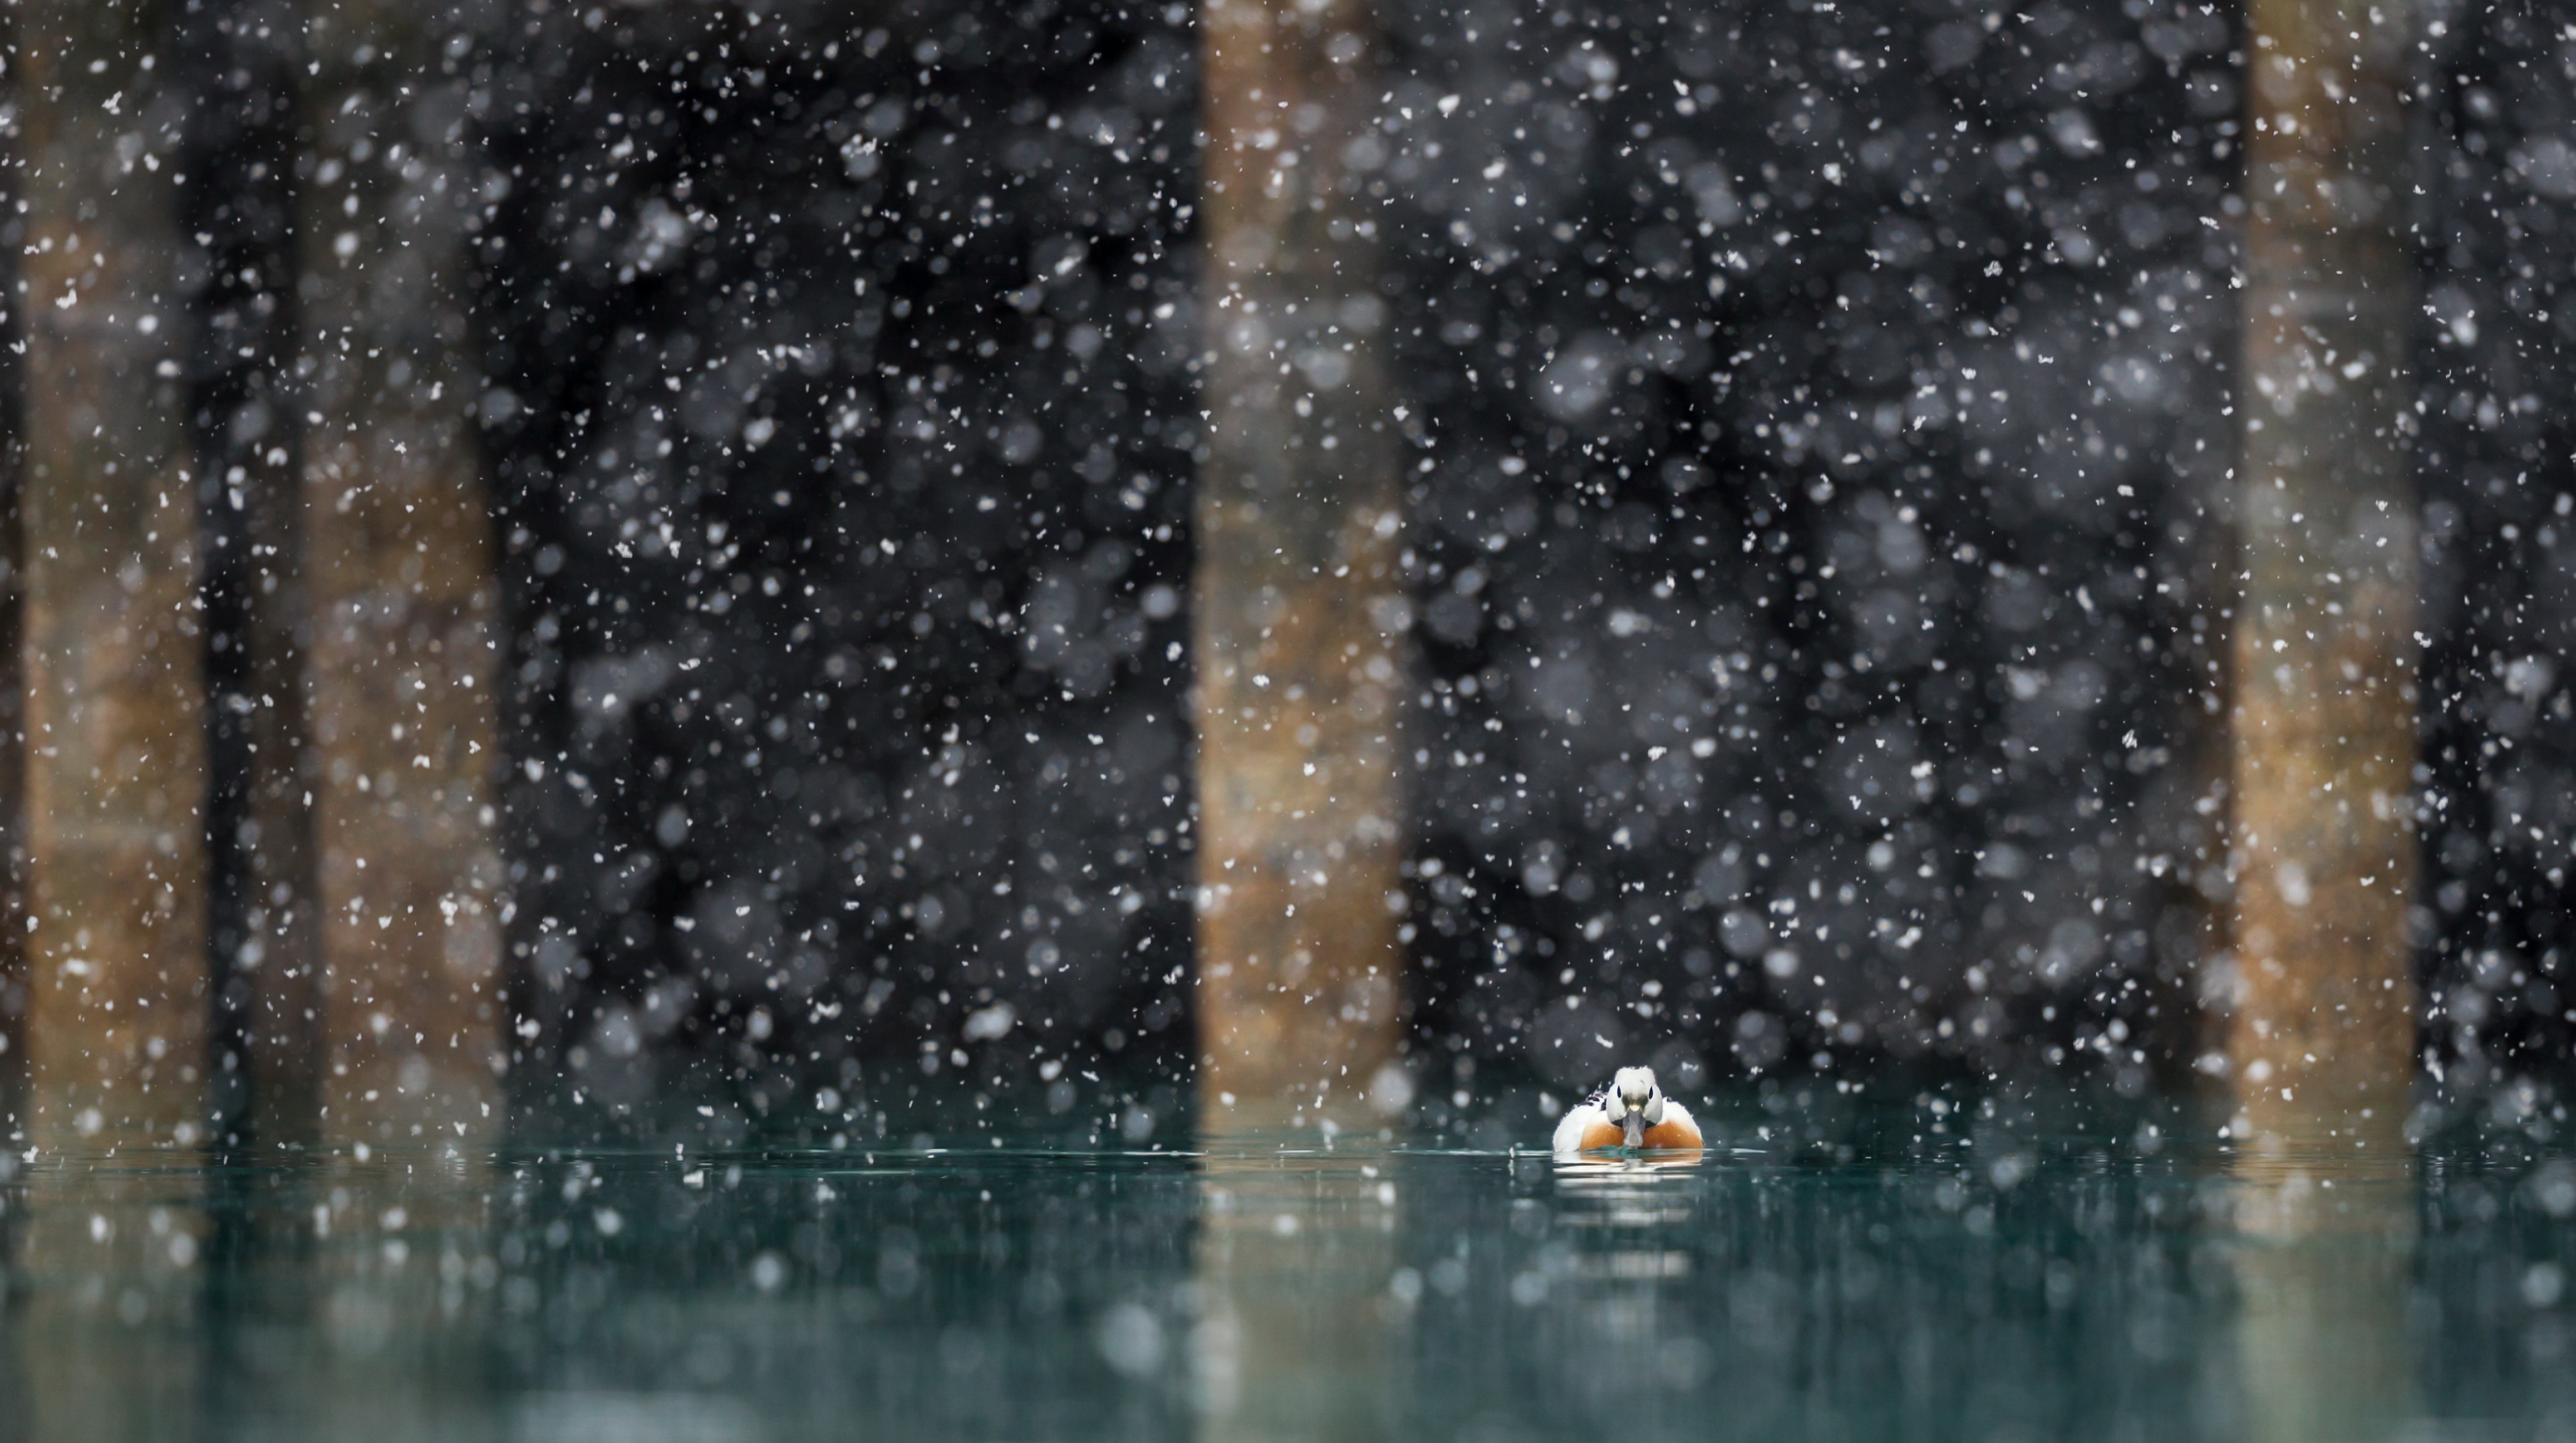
1989 1291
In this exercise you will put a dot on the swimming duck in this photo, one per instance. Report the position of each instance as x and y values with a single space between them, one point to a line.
1631 1112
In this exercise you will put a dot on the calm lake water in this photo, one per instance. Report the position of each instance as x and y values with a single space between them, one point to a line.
1943 1288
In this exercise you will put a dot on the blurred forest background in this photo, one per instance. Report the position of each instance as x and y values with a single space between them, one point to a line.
1813 567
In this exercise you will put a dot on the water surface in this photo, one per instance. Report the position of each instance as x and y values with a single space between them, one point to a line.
1945 1289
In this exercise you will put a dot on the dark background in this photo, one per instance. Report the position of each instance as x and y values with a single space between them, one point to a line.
1817 542
841 416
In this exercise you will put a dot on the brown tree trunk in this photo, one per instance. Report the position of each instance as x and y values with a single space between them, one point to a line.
1301 670
2323 1028
400 560
117 1007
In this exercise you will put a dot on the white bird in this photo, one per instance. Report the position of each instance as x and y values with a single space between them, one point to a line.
1632 1112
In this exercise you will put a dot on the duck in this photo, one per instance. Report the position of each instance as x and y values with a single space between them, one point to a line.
1632 1112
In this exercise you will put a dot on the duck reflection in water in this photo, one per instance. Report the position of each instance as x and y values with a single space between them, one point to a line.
1631 1114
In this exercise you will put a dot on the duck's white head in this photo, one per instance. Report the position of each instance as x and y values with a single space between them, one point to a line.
1635 1103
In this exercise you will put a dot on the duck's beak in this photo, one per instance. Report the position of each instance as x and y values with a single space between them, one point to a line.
1632 1128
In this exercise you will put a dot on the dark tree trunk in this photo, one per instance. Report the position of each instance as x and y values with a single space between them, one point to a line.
237 63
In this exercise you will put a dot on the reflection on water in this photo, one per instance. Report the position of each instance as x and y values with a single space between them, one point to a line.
1985 1289
1296 1333
2323 1261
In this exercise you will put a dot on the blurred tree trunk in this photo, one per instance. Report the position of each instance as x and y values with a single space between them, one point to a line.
238 62
13 596
400 560
2323 1028
117 1008
110 656
1300 662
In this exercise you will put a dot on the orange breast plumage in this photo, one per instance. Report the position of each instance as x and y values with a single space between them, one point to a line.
1590 1128
1672 1132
